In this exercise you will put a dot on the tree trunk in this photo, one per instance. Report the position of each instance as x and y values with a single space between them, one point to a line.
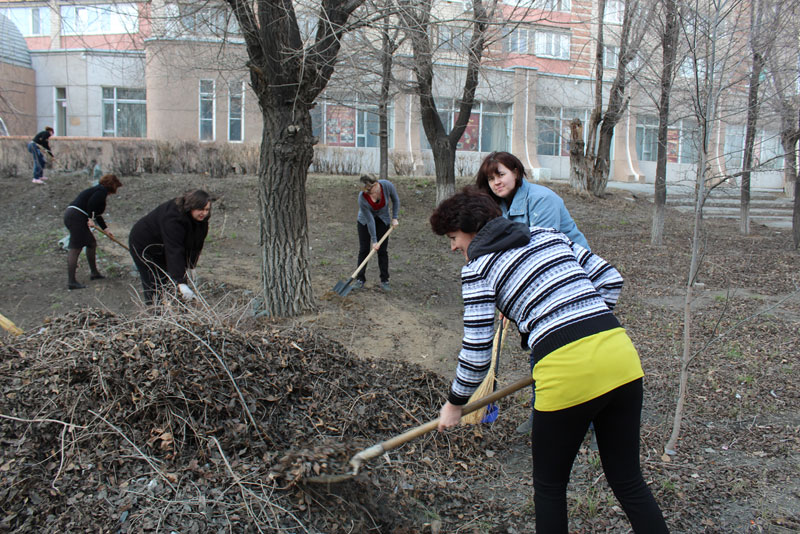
286 153
444 159
578 163
749 142
383 116
796 211
669 44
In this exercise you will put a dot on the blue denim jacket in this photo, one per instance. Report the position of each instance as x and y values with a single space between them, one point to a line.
536 205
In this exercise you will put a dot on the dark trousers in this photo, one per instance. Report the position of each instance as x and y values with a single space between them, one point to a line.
152 270
38 160
365 246
557 436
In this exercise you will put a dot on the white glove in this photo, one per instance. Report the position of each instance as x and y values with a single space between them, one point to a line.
186 292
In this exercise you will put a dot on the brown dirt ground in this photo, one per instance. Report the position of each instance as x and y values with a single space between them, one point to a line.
737 467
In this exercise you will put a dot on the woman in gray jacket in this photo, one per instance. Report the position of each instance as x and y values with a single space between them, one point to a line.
373 222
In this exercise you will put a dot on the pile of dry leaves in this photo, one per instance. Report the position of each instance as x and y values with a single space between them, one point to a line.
169 423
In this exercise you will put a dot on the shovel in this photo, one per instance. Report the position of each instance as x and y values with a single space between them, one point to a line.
342 287
114 239
392 443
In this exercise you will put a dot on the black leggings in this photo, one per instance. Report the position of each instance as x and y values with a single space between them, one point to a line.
365 246
557 436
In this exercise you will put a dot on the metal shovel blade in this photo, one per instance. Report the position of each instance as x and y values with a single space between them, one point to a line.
343 288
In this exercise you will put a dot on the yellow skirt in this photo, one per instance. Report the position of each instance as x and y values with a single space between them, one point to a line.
585 369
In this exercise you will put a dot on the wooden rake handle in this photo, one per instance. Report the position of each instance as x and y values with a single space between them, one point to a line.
372 252
114 239
392 443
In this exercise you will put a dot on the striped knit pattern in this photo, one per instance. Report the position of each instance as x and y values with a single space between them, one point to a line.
543 286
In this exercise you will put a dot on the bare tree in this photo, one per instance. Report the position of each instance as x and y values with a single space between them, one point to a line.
669 46
416 16
711 55
763 27
589 168
287 75
785 78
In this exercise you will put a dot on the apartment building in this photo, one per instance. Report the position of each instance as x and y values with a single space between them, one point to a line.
175 70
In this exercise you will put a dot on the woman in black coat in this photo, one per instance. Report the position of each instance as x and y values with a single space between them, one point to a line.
79 218
168 241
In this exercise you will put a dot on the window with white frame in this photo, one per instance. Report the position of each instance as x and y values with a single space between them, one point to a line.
488 128
552 44
454 38
734 147
99 19
553 5
236 111
567 116
206 19
31 21
548 131
615 10
519 40
207 110
688 141
353 124
647 137
770 151
610 56
124 112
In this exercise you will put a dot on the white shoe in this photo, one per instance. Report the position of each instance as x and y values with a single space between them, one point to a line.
37 181
44 178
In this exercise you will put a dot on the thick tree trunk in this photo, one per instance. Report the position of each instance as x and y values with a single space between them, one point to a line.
444 158
578 163
598 178
383 116
286 154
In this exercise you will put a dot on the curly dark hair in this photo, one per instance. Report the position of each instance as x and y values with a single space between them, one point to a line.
468 210
110 182
488 169
193 200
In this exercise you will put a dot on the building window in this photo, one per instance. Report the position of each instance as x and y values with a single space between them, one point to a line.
207 111
61 111
552 44
519 41
495 127
31 21
124 112
353 124
769 151
99 19
488 128
610 57
236 111
548 131
615 11
647 137
688 141
734 147
553 5
454 38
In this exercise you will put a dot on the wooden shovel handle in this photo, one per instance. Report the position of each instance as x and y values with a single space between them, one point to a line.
371 252
392 443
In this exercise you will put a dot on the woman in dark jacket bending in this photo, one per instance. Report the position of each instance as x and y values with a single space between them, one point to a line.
80 217
168 241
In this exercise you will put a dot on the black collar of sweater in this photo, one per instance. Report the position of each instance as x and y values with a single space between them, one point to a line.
498 235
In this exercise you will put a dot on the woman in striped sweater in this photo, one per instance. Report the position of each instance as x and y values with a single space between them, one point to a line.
586 369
